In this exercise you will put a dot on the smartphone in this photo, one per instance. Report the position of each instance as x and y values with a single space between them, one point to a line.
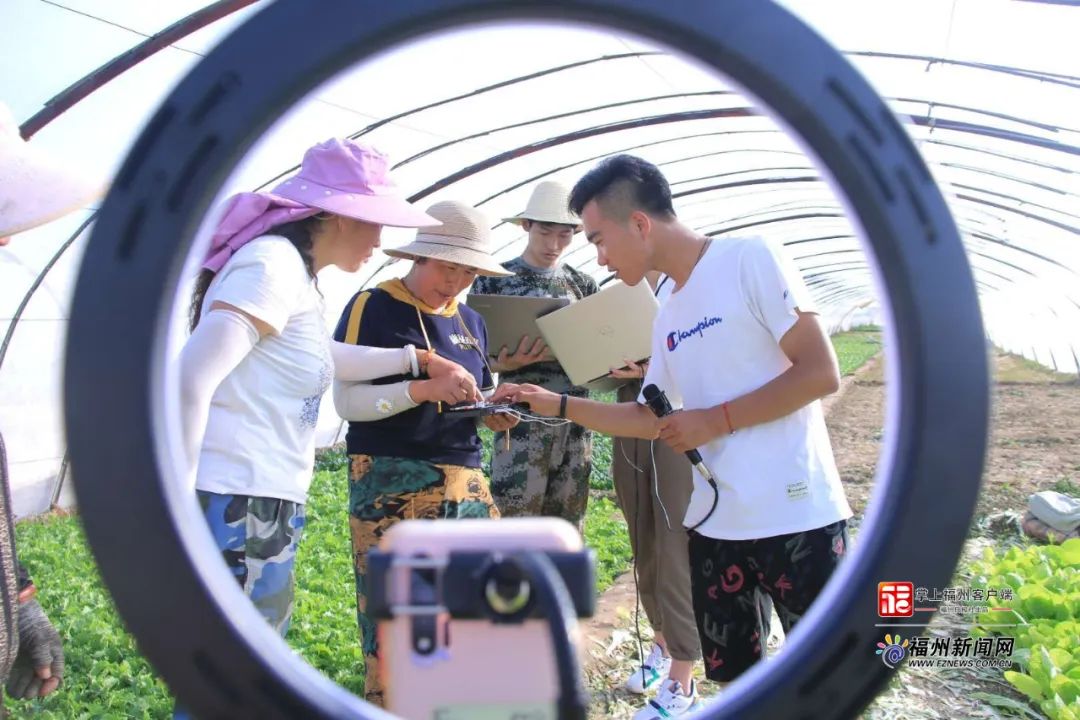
439 668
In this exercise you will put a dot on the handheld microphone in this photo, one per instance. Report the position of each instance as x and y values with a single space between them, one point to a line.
658 403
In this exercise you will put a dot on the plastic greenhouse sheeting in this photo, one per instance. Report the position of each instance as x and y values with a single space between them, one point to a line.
989 89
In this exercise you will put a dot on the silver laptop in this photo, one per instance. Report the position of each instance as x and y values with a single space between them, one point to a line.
509 317
599 332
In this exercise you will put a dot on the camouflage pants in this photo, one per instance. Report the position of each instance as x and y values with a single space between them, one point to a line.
258 537
544 473
384 491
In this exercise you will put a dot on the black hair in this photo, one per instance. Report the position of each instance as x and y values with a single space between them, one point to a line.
301 233
545 222
622 184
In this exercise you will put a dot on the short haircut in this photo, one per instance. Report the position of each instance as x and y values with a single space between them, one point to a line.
622 184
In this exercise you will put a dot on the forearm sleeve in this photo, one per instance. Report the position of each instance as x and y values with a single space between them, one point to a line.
364 402
360 362
219 343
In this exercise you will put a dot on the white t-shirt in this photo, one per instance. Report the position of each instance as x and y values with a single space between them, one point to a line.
717 338
260 434
664 286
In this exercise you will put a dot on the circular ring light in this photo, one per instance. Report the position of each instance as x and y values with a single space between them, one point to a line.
191 622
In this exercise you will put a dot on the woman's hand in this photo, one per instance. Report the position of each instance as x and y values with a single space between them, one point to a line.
451 389
500 422
438 366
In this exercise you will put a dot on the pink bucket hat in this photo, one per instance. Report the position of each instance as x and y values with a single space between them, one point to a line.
36 188
342 177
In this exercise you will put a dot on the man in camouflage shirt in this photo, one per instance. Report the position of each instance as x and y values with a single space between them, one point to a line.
546 470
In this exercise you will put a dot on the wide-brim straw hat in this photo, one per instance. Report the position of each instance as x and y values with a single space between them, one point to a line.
36 188
548 203
464 238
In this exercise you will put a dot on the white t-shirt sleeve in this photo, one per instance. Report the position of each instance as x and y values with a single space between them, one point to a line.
266 279
772 287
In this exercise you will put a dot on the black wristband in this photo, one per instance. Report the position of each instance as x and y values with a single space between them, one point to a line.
562 405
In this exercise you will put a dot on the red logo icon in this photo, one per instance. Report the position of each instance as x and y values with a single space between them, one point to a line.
895 599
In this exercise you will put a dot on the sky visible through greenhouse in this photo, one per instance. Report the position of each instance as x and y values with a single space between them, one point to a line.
987 89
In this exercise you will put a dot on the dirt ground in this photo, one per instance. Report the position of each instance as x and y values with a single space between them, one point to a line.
1034 433
1034 445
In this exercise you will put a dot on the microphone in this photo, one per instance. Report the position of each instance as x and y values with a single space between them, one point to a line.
658 403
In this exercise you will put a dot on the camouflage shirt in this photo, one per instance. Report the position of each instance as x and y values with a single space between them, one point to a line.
562 281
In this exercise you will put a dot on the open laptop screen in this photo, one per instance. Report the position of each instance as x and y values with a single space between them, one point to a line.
601 331
509 317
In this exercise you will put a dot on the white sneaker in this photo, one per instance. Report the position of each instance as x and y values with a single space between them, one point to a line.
650 673
670 702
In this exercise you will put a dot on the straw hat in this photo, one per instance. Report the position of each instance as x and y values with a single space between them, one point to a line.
34 187
548 203
464 238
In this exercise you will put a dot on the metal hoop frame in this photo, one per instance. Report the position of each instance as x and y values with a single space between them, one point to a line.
191 621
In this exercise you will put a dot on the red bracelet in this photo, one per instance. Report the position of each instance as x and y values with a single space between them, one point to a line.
727 418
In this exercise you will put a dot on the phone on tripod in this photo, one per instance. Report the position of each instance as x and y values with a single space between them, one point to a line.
459 637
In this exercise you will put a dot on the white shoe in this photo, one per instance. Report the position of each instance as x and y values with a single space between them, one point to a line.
670 702
650 673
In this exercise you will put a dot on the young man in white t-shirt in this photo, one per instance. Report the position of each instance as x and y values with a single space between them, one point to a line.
739 348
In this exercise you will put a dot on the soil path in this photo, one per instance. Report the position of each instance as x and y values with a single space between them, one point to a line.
1034 445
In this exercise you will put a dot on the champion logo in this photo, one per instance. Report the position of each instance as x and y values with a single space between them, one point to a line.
677 337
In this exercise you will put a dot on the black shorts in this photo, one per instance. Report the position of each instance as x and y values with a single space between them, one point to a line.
727 576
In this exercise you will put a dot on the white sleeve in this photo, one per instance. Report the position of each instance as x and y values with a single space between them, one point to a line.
266 279
658 374
364 402
361 362
772 287
221 340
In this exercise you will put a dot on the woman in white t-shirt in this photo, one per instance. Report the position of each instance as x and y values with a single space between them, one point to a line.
260 357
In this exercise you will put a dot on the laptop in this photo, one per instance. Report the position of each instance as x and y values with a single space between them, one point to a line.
509 317
599 332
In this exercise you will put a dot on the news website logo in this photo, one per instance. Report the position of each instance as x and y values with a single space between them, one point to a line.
896 599
893 650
